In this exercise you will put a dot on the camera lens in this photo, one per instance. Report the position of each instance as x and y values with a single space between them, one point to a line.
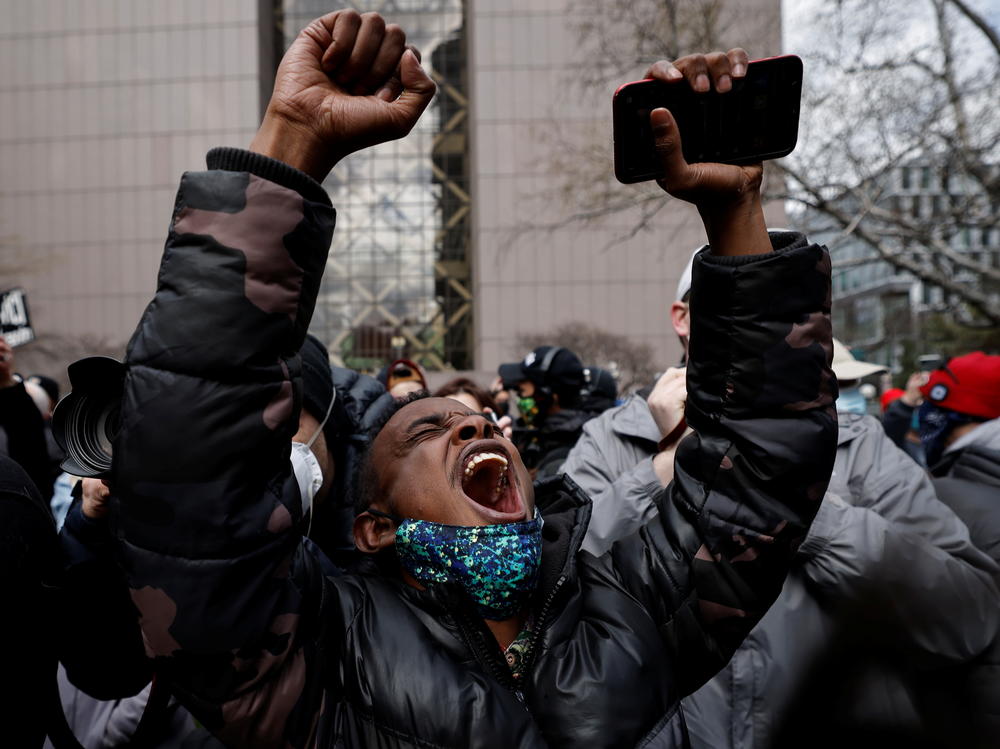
92 424
87 421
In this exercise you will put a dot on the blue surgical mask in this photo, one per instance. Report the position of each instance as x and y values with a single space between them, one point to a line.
851 401
496 565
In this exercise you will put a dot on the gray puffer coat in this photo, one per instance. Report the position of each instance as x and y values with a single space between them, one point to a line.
881 542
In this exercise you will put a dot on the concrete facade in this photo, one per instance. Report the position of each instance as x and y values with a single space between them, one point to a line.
103 104
527 117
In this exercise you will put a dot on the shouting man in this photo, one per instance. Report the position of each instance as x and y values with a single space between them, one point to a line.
474 620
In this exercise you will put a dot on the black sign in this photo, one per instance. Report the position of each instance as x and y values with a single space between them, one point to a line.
15 325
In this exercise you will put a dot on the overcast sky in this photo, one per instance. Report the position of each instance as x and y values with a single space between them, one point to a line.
800 32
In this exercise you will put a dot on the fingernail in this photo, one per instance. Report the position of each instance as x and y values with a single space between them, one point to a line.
701 83
674 74
739 70
725 83
657 123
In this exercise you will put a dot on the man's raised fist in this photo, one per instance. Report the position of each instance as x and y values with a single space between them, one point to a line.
349 81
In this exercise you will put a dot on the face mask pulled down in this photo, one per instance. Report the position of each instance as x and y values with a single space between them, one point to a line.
496 565
307 471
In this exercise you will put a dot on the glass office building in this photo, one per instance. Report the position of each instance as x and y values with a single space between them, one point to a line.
397 279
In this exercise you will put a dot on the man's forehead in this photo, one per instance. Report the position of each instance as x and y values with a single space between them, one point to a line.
422 408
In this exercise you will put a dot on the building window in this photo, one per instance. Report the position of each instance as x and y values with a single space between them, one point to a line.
398 281
925 177
915 206
904 173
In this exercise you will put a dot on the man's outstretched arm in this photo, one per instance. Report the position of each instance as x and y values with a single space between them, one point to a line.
749 480
209 512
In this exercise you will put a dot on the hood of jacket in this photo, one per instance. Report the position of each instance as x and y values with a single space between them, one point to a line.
986 435
634 420
361 401
975 456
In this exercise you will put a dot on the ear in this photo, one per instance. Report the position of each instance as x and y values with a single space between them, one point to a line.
372 533
679 318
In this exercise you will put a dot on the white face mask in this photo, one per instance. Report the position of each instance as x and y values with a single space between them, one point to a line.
308 473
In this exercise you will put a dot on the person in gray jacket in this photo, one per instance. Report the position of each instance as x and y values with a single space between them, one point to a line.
967 479
883 554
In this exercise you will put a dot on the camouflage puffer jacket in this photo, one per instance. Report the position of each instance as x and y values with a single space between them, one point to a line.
267 651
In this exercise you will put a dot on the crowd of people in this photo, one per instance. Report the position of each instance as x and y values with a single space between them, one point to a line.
290 553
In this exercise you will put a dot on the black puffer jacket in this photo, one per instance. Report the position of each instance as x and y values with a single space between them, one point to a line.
31 622
266 650
361 402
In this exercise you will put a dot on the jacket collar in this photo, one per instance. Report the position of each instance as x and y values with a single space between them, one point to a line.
568 421
986 435
852 426
566 510
634 420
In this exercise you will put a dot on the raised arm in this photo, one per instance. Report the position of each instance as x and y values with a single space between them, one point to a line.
760 400
209 510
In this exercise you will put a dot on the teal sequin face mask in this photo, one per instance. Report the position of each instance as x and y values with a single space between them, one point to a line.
496 565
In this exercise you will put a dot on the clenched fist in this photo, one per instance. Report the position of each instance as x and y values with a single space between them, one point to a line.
349 81
666 405
666 401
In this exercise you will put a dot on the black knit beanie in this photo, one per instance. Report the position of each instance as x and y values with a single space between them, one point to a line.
317 382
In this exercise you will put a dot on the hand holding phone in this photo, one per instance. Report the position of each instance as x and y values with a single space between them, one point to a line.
727 196
728 111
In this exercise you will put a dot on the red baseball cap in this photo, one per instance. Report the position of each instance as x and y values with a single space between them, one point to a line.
968 384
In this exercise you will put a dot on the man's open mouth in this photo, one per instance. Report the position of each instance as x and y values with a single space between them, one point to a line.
488 483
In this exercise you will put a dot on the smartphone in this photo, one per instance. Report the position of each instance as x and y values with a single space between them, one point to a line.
930 362
757 119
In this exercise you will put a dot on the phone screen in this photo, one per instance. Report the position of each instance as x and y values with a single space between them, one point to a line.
758 119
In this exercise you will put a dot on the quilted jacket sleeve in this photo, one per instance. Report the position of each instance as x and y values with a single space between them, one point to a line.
209 511
750 479
892 543
929 606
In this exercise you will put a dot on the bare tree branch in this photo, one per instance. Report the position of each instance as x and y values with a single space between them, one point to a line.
978 21
980 301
